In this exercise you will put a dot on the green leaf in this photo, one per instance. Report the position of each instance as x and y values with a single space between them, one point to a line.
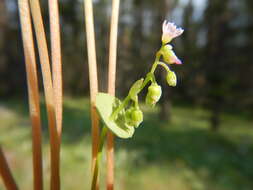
105 105
135 89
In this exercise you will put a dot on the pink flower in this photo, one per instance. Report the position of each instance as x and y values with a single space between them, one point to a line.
174 59
170 31
169 56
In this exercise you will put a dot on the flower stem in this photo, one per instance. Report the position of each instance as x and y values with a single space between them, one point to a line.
158 55
149 77
99 155
121 106
164 66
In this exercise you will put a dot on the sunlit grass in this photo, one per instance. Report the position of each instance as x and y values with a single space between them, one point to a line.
182 155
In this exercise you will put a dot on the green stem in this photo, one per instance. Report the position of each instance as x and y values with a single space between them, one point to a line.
99 155
149 77
121 106
158 55
164 66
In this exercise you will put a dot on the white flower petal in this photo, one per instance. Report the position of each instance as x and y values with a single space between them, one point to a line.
170 31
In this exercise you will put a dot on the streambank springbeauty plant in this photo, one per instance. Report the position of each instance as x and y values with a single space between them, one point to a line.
123 117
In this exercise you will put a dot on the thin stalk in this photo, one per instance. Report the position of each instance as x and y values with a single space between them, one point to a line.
5 172
158 55
56 60
120 107
49 93
149 78
57 69
99 156
164 66
111 89
33 92
91 47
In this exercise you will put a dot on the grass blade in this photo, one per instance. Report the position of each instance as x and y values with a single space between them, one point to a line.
33 92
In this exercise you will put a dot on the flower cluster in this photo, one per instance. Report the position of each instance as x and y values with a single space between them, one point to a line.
123 117
127 115
134 115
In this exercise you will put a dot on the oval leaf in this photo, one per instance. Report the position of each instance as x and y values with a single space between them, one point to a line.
105 105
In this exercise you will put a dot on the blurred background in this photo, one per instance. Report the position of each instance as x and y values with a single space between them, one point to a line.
200 137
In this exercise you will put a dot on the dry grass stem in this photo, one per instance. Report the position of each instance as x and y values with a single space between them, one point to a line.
111 88
49 93
56 60
33 92
91 47
5 172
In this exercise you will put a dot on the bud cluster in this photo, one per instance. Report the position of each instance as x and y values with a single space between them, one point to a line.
134 117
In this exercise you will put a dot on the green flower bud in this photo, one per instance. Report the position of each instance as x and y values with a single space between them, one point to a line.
154 94
134 117
171 78
149 101
137 117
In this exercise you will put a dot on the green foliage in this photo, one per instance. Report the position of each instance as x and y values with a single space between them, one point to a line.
135 89
112 111
105 105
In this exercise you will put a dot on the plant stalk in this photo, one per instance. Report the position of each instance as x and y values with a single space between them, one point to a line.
91 48
56 61
57 75
5 172
111 89
149 77
33 92
99 156
49 93
121 106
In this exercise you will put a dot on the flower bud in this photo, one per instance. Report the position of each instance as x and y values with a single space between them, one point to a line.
154 94
134 117
171 78
169 55
137 117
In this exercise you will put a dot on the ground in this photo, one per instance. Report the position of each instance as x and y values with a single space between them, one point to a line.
181 155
